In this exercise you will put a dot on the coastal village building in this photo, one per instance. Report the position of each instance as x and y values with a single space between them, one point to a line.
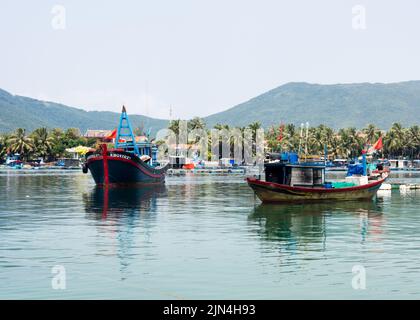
100 135
108 136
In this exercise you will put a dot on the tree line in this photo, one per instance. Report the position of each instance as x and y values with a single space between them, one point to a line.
398 141
42 143
345 143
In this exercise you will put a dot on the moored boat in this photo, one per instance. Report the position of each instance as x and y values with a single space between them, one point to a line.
294 182
270 192
129 162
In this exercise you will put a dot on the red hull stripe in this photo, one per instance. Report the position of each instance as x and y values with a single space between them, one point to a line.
309 189
105 163
127 161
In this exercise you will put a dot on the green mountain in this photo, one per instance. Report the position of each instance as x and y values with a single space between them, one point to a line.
338 105
22 112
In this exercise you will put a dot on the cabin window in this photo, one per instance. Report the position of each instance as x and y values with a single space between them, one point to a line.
307 176
318 178
275 174
302 176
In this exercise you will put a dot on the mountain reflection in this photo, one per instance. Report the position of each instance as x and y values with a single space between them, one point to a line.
299 224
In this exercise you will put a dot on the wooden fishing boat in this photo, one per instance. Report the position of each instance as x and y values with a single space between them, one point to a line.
269 192
302 182
128 163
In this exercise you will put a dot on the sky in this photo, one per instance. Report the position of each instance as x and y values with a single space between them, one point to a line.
199 57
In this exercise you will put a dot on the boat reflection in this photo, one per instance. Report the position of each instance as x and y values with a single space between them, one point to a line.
297 224
118 212
116 202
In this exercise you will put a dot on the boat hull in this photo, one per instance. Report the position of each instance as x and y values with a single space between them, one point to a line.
269 192
122 168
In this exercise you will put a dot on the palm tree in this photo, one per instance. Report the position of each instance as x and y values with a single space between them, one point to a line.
290 139
21 143
272 142
351 144
174 126
413 140
254 126
329 137
43 142
219 126
4 143
372 133
336 149
196 123
395 140
73 133
316 139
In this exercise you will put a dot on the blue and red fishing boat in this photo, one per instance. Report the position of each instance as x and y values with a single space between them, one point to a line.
129 162
292 181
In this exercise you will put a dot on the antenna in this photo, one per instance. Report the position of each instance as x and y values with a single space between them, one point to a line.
147 99
300 138
306 139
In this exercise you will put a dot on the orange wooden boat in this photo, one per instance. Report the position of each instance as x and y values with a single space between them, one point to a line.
270 192
288 180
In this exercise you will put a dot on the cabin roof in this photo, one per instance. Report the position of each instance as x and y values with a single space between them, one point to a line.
316 165
97 133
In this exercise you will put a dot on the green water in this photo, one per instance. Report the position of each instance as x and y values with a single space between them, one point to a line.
200 237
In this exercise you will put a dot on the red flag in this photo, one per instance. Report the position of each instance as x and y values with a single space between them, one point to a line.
280 136
378 144
112 135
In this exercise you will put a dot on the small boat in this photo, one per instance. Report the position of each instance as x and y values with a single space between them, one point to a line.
129 162
13 161
68 163
294 182
188 166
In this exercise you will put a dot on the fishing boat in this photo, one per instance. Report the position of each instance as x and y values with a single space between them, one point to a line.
13 161
291 181
129 162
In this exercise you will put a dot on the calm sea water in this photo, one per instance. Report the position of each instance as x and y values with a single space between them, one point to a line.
200 237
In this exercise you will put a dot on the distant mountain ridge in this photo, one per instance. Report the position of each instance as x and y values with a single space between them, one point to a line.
336 105
22 112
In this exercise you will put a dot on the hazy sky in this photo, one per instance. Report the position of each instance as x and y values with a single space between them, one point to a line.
200 56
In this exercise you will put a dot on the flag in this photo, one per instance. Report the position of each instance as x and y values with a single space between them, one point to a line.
112 135
280 136
378 144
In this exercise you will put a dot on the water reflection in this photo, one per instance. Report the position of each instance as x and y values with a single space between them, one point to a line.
121 202
118 212
298 224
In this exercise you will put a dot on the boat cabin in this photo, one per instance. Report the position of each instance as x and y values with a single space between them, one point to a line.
303 174
399 164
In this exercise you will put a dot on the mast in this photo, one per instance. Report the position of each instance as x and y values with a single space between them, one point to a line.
300 138
123 127
306 139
